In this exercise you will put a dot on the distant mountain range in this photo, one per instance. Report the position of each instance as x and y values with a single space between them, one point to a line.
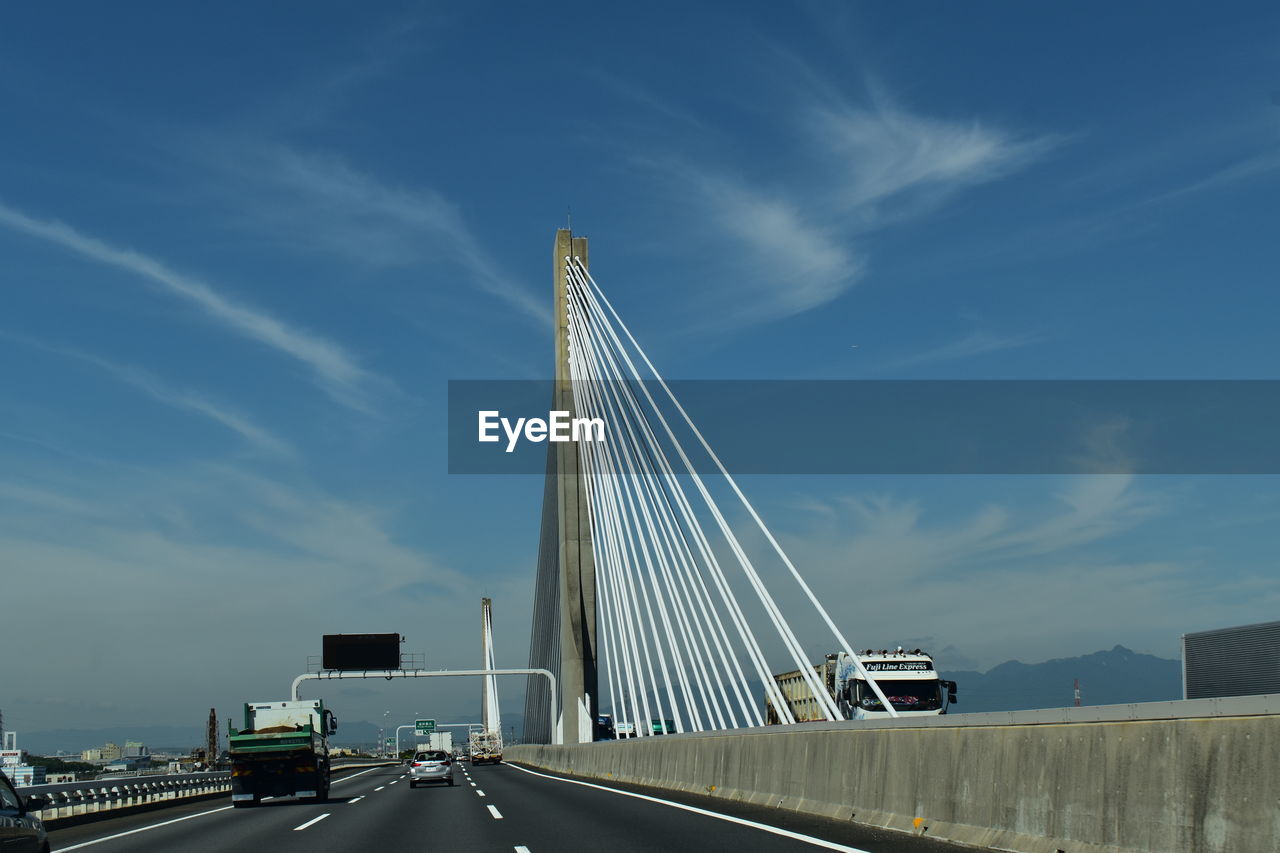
1106 678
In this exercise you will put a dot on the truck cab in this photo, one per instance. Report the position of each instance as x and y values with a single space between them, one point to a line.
908 680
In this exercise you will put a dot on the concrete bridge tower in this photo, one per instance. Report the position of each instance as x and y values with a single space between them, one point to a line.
564 618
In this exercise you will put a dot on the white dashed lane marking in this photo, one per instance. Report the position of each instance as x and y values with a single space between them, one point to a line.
311 822
493 810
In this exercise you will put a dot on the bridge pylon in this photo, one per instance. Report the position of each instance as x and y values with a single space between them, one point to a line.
564 618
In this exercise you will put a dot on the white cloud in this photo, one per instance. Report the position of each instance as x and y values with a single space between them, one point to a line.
858 169
241 575
335 370
973 344
1008 578
185 400
327 205
885 151
803 266
879 531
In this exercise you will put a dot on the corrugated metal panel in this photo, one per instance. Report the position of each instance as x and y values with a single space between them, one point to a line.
1241 661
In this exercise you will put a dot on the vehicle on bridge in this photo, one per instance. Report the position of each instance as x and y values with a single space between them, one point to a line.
485 747
441 741
282 751
20 827
908 680
433 765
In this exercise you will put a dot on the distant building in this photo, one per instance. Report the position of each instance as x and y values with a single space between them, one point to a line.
134 749
1240 661
107 752
24 775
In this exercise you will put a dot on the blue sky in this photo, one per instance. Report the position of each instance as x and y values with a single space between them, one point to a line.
245 247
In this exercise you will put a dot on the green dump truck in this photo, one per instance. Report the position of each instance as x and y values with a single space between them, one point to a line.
282 751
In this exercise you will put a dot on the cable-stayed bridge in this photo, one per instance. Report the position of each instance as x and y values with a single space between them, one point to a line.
663 597
640 571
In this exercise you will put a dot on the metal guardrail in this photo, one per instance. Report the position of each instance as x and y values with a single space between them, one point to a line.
67 798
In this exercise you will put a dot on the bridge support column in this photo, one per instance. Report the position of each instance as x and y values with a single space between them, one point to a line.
577 571
563 638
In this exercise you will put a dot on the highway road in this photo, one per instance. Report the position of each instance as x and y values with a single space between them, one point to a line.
491 808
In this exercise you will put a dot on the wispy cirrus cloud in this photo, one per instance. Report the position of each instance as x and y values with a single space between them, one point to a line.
189 401
334 369
975 343
325 204
813 264
865 167
883 152
1029 571
182 399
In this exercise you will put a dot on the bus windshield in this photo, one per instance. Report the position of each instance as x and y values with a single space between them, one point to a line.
905 695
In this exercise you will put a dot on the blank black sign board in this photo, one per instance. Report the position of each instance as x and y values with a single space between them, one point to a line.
361 651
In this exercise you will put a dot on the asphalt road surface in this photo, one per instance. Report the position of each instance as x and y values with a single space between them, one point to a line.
491 808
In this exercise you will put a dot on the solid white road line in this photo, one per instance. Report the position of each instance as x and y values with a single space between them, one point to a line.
354 775
311 822
764 827
493 810
142 829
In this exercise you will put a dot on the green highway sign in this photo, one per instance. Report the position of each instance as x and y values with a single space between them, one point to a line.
425 727
391 741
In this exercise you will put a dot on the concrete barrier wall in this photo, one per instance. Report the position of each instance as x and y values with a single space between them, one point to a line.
1169 785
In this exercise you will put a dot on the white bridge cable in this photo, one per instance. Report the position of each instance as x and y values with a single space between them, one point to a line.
596 297
740 622
790 642
620 675
618 544
592 401
676 544
642 474
618 670
650 591
608 555
754 653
